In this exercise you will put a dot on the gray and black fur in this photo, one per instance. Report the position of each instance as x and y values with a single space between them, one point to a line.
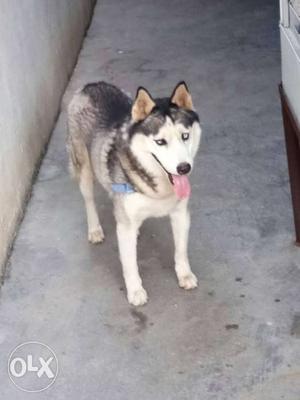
144 143
99 119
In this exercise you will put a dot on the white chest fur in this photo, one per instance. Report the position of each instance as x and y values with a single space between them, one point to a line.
138 207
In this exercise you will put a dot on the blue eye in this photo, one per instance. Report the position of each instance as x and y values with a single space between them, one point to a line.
160 142
185 136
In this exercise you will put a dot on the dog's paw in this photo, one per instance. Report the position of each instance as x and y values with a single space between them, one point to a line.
96 236
137 297
188 281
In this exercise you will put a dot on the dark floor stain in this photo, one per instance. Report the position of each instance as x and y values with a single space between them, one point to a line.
277 300
231 326
122 289
295 331
180 372
242 295
211 293
238 279
140 319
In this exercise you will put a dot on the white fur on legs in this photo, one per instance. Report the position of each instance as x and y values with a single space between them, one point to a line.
180 220
96 236
188 281
127 240
86 184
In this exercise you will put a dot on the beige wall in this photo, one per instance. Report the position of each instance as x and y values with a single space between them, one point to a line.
39 43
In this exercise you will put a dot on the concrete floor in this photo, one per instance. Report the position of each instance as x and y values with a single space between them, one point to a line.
238 335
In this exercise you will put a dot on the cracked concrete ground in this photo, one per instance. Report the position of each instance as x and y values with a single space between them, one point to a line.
238 335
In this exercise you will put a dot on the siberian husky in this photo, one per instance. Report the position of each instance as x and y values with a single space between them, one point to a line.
141 152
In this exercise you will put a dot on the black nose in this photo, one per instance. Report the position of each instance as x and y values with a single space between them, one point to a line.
183 168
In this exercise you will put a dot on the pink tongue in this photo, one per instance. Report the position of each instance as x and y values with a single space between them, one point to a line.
181 185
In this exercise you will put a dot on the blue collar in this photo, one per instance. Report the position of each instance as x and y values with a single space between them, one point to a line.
122 188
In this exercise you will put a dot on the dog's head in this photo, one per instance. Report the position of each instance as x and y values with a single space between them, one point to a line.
168 129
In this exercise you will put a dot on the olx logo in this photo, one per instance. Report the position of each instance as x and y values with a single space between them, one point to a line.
32 366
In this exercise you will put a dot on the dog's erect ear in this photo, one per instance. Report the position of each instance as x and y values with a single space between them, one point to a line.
142 106
181 96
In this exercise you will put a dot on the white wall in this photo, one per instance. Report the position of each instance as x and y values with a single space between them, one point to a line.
39 43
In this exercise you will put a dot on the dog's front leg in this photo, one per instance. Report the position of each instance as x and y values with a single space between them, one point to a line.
127 239
180 221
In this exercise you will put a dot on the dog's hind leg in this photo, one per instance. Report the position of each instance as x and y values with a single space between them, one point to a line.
86 184
80 126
